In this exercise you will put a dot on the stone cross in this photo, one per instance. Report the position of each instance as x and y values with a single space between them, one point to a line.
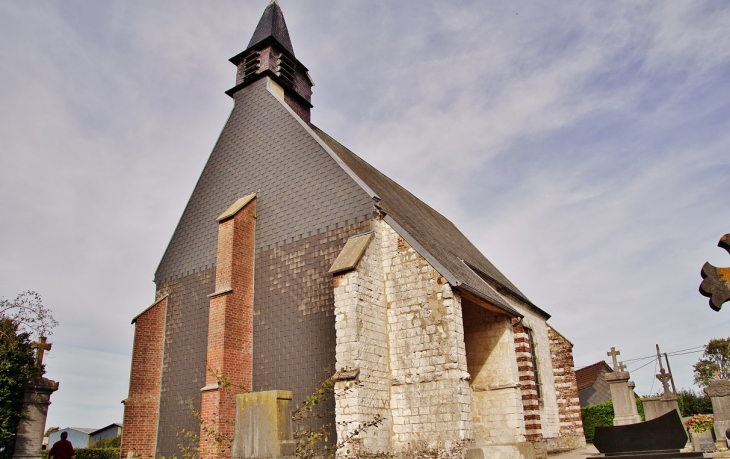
41 346
620 367
716 374
613 354
664 377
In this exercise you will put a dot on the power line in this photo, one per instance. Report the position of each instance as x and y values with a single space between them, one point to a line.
649 363
685 353
651 391
679 352
640 358
689 350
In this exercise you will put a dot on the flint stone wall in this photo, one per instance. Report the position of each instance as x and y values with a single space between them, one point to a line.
400 324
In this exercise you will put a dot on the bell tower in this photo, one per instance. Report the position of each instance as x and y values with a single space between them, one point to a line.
271 54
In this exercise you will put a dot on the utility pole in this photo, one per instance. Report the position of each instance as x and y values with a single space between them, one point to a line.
661 367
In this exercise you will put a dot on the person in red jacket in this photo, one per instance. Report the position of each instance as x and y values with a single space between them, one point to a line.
62 449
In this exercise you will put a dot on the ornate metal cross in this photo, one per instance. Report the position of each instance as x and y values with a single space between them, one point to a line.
716 281
613 354
40 346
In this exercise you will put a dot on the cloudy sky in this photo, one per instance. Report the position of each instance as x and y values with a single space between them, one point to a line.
583 146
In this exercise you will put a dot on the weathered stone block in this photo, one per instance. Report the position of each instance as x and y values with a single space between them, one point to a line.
263 425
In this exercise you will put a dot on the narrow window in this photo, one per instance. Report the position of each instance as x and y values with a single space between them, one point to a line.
535 369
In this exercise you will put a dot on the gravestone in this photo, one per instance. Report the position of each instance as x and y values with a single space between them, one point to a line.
263 425
719 392
624 404
663 437
36 399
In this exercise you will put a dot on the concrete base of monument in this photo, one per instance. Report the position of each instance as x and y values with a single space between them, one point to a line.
502 451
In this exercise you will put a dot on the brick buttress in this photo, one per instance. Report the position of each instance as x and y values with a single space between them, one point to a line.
230 328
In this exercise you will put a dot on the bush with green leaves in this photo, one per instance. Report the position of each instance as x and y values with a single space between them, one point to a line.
596 416
97 453
106 443
715 358
602 415
694 402
17 367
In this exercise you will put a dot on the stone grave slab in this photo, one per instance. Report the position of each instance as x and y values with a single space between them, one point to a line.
662 437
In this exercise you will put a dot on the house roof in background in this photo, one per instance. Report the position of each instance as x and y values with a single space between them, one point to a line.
586 376
105 428
86 430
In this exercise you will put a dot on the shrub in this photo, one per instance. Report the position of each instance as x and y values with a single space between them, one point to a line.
694 402
596 416
97 453
107 443
602 415
17 367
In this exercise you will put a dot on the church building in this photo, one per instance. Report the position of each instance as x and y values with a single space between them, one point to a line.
295 260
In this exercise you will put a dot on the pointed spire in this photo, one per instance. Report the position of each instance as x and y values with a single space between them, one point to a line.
272 25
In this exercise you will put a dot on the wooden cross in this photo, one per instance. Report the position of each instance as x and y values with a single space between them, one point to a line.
613 354
620 367
41 346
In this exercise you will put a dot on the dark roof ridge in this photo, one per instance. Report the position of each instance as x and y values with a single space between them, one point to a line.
461 271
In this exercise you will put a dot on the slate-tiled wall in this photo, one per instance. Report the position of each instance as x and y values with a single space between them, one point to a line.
307 206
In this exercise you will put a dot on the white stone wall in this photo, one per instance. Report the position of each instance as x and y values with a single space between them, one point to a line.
400 324
362 343
430 397
495 395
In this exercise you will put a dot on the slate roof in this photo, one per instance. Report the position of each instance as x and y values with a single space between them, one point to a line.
272 25
440 238
586 376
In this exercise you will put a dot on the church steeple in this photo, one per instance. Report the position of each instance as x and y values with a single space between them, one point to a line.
272 25
271 54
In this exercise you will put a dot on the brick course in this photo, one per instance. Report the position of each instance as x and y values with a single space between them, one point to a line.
141 408
530 399
571 424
